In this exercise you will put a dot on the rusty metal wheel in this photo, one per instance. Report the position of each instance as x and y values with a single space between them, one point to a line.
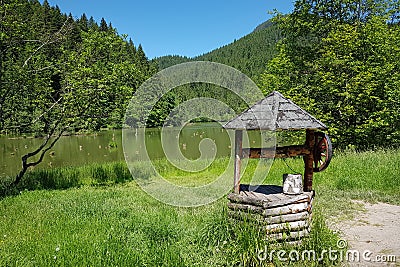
322 151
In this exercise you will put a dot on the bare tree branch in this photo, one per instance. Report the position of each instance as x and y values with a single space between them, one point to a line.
42 148
45 150
54 38
44 113
35 120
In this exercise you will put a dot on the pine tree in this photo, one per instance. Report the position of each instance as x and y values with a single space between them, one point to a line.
131 49
103 25
92 24
83 23
74 37
141 56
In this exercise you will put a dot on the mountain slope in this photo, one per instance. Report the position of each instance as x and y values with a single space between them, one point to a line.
250 54
170 60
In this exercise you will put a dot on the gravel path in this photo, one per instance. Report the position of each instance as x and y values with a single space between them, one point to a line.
374 233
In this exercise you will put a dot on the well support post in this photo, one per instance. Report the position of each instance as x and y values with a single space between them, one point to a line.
238 158
309 161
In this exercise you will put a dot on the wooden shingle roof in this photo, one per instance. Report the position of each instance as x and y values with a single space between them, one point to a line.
275 112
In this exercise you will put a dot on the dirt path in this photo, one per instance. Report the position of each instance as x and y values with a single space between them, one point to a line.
374 233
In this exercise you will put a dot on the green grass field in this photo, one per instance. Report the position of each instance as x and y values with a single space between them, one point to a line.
97 216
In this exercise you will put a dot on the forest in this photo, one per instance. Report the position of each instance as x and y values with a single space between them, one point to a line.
339 60
61 75
58 73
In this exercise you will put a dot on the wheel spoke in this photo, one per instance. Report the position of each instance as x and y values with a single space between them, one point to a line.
322 152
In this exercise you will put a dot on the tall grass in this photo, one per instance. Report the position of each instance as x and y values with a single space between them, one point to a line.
366 174
121 225
96 215
68 177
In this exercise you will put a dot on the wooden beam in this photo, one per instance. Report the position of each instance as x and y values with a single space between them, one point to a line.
309 161
278 152
238 158
269 201
269 212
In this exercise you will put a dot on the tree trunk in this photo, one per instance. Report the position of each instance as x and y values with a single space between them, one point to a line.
42 150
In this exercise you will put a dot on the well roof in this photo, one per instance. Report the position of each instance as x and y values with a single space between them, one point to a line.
275 112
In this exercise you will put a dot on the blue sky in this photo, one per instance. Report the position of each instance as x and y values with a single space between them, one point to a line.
177 27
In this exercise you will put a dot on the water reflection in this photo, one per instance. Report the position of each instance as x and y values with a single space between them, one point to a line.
106 146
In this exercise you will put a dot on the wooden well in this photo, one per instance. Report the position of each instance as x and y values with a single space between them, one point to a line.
283 216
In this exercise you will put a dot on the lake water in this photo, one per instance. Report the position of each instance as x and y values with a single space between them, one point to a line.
106 146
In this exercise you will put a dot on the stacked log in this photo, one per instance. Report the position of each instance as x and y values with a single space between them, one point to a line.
282 216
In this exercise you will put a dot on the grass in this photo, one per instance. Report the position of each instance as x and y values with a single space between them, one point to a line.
96 215
121 225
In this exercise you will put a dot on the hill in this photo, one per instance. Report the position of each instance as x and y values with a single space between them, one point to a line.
170 60
250 54
264 25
